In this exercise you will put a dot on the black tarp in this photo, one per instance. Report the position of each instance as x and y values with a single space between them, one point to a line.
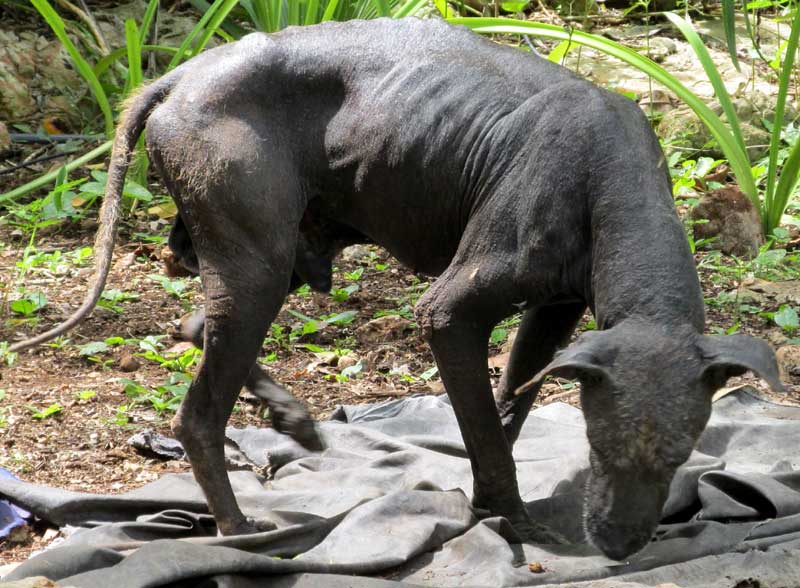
387 505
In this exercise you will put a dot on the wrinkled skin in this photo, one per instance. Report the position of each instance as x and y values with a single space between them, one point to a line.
517 183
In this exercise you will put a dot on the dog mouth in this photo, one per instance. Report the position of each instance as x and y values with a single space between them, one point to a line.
621 512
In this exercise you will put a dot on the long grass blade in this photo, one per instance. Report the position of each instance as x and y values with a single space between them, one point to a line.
737 157
233 29
147 20
275 10
293 13
790 175
382 7
729 24
102 66
184 48
330 10
409 8
215 22
57 25
776 198
312 12
133 46
713 75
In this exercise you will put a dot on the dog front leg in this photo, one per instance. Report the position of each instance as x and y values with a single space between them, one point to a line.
456 316
542 332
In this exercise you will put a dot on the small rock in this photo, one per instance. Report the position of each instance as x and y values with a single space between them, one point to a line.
732 220
436 388
355 252
125 261
777 338
5 138
660 48
51 534
21 534
385 328
758 291
664 43
172 267
17 234
89 224
788 358
129 363
181 347
347 361
94 438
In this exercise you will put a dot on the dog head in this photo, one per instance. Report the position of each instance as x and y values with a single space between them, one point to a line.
646 395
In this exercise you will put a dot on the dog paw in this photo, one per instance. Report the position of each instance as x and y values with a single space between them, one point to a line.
534 532
528 531
250 526
295 422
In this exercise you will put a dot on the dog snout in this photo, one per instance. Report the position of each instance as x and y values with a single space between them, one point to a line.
622 514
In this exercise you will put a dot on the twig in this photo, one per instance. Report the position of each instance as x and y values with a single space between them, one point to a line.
31 162
90 22
39 138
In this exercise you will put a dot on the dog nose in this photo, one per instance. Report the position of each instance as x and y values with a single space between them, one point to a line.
622 544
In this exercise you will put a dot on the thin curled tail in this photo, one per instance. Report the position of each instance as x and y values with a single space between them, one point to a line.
129 129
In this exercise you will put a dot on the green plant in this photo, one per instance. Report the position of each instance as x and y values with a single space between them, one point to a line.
342 294
29 304
6 357
85 395
81 64
93 351
355 275
786 318
177 288
689 174
121 417
312 325
166 397
111 298
45 413
273 15
174 362
500 333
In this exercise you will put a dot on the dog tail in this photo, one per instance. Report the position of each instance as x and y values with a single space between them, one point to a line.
130 127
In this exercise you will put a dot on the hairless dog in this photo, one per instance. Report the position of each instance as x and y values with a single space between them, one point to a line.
519 184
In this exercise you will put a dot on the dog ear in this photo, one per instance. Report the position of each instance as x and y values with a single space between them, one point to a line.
578 361
726 356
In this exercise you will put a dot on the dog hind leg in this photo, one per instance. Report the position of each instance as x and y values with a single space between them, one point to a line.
289 416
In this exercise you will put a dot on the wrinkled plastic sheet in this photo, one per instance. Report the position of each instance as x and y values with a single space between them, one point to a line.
387 505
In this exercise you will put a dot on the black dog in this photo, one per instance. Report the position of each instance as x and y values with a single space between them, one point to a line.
519 184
